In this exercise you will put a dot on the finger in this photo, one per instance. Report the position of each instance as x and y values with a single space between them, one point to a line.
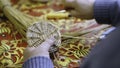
79 14
74 13
50 41
29 48
47 43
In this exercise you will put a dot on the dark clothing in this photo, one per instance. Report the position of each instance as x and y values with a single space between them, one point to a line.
38 62
106 53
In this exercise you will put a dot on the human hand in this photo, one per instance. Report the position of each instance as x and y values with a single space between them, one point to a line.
41 50
80 8
40 0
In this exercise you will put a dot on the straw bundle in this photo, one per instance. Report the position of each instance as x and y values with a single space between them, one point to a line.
20 20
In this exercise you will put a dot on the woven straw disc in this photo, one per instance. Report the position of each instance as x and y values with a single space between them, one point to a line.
39 32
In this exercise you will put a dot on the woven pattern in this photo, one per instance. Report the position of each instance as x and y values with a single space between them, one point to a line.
39 32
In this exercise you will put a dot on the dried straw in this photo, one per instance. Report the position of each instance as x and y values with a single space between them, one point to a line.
20 20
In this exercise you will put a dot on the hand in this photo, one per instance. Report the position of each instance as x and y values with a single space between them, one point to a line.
81 8
41 50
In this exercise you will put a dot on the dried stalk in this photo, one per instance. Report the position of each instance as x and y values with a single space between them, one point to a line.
20 20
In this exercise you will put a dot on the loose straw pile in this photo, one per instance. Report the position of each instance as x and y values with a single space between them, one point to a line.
20 20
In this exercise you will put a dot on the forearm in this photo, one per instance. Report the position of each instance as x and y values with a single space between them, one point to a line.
107 12
38 62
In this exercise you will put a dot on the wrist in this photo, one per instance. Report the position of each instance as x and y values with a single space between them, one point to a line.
40 54
45 54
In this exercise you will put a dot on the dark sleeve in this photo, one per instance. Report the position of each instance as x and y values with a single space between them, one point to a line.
107 12
106 52
38 62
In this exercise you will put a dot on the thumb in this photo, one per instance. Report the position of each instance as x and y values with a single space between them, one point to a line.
81 14
47 43
74 13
